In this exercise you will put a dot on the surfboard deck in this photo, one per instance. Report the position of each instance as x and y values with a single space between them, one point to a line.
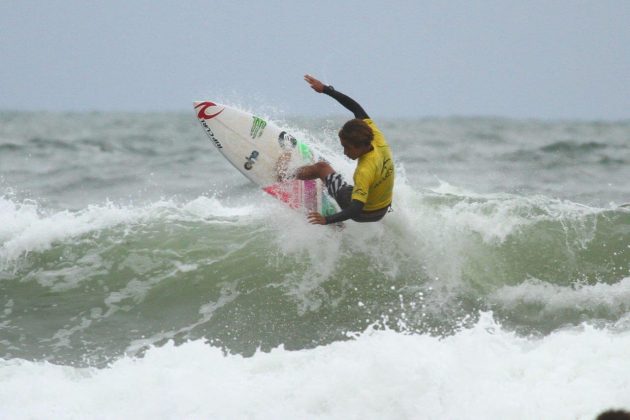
256 148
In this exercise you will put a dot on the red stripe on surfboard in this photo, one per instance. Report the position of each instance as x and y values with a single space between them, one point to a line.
289 192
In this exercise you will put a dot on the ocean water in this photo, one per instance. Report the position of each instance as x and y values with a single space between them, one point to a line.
142 276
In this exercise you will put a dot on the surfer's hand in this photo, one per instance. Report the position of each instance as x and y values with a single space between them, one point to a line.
315 218
315 84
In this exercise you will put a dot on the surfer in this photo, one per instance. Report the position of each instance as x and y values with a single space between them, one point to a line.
369 199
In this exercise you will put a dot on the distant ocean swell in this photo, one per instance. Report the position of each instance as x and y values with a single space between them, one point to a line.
572 152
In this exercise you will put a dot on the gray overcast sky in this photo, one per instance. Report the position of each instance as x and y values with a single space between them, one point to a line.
524 59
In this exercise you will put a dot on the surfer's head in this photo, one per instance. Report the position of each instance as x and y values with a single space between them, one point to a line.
356 138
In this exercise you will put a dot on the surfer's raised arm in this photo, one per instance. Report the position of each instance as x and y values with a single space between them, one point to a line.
349 103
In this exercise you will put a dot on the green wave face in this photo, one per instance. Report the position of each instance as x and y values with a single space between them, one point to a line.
255 283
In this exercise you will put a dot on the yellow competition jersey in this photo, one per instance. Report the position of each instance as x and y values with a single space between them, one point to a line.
374 176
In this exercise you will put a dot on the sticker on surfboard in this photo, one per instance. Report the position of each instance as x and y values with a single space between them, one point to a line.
255 147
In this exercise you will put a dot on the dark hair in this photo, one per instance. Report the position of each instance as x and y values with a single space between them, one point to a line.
357 133
614 415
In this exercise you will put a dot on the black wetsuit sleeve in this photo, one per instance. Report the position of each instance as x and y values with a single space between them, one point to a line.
350 212
349 103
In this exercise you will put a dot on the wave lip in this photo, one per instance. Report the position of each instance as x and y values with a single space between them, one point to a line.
29 228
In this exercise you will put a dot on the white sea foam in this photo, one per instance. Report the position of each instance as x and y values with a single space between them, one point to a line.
26 227
212 207
553 297
496 216
480 373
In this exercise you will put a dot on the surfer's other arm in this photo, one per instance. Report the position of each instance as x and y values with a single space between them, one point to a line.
349 103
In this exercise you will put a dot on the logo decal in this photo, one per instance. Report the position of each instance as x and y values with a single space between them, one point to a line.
216 142
386 172
251 160
257 127
202 114
284 139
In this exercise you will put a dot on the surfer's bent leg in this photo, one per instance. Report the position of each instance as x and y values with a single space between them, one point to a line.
339 189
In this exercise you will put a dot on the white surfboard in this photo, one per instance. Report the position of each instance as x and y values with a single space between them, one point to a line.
254 146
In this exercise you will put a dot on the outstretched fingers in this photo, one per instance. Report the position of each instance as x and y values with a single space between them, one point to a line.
315 84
